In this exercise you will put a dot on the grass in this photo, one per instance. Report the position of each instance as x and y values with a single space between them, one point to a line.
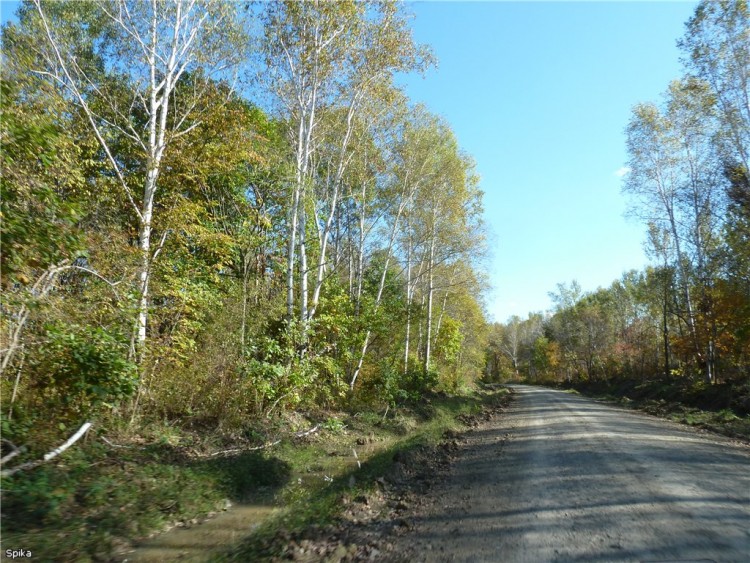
719 408
319 502
97 498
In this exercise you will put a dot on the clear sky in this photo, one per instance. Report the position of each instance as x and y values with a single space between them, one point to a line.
540 94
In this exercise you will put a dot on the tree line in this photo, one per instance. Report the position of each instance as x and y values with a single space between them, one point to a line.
687 314
216 211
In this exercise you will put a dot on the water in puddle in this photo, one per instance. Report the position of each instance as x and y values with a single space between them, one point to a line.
202 541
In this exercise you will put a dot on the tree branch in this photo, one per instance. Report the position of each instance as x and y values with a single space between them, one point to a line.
50 455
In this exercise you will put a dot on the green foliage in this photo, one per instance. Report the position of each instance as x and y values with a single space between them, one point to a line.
394 386
333 424
449 341
220 353
38 164
102 497
81 369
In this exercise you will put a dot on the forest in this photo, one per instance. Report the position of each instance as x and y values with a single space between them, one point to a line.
213 214
213 211
685 318
219 216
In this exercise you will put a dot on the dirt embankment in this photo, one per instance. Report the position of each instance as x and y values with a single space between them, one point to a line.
374 526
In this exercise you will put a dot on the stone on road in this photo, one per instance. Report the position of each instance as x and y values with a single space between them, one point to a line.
565 478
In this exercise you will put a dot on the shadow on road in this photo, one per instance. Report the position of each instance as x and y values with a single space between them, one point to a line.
563 478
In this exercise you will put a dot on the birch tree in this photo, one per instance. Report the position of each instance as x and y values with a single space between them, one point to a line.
324 60
675 183
149 49
717 49
716 46
447 218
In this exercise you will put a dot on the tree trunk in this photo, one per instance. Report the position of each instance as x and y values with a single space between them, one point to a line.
303 290
430 290
360 252
144 244
381 285
337 181
245 275
665 321
408 302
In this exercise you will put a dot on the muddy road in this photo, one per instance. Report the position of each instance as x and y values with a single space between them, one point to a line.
563 478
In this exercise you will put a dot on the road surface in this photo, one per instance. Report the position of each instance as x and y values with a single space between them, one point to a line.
565 478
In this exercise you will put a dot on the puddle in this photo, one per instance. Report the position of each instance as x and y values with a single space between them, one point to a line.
202 541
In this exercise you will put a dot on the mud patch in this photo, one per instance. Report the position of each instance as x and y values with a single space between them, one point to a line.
197 539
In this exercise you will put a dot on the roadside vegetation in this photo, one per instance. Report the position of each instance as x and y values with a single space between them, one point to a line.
320 506
104 497
220 221
721 408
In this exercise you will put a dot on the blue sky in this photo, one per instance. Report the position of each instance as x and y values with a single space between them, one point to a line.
540 94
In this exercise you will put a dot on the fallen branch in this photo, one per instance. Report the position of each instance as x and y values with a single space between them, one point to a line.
232 451
238 450
264 446
50 455
113 444
308 432
15 451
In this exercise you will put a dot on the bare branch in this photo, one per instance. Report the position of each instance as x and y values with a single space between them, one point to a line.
85 106
50 455
15 450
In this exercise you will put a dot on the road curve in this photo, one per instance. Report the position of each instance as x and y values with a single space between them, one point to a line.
563 478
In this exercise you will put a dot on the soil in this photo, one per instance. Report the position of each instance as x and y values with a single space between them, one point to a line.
546 476
557 477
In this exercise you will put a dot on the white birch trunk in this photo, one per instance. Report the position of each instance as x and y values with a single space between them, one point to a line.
440 317
165 58
381 286
360 252
336 183
430 290
408 301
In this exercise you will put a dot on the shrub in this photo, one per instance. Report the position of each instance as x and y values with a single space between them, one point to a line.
81 369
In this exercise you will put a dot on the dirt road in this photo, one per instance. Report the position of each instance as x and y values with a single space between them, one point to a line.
564 478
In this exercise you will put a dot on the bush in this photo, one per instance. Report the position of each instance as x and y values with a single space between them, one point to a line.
81 369
393 385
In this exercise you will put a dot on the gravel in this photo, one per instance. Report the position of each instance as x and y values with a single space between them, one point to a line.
560 477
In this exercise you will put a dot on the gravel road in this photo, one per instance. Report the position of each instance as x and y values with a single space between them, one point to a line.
565 478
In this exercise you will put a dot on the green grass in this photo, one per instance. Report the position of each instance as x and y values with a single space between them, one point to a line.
719 408
97 498
317 502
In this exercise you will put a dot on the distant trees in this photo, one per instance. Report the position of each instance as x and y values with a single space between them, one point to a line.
688 314
517 348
